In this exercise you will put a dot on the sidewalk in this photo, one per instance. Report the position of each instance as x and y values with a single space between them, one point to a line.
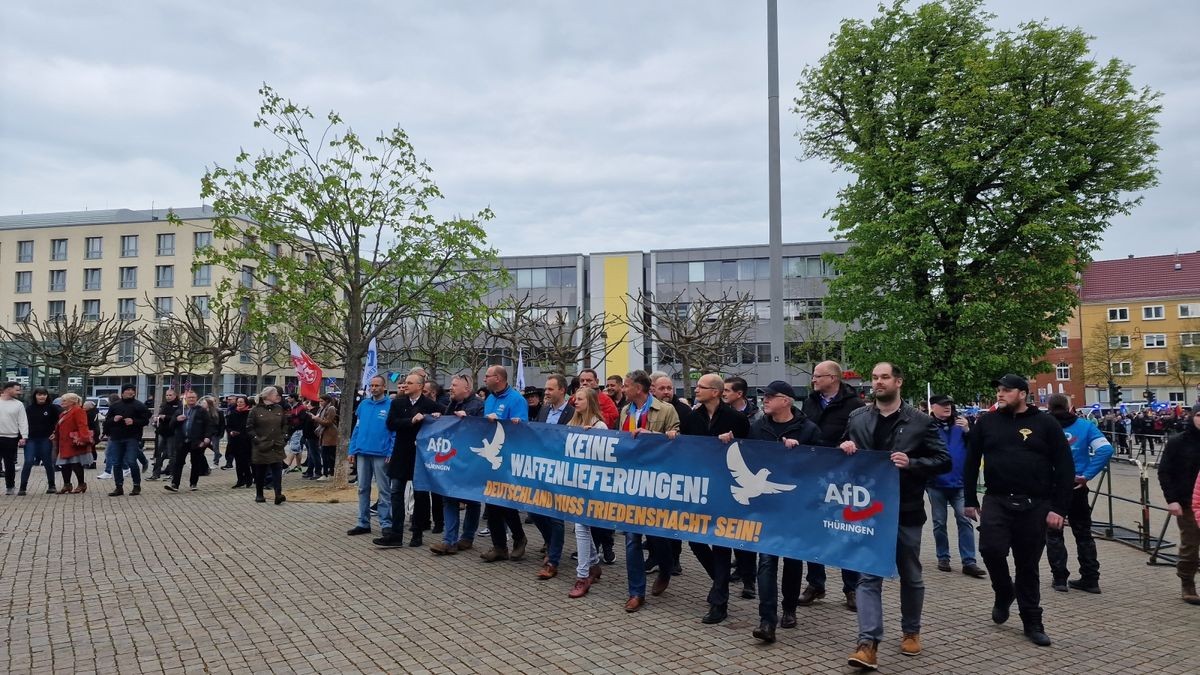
211 582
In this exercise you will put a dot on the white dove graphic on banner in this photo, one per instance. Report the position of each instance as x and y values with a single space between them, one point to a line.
491 449
750 485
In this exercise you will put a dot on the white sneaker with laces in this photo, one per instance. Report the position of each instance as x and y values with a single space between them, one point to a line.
103 475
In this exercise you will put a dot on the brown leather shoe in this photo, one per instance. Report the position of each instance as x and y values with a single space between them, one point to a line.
851 601
910 644
494 554
465 544
634 603
518 550
660 585
548 571
594 573
865 657
810 594
1189 593
442 548
580 588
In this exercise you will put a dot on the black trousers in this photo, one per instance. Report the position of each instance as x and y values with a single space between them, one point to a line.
602 537
328 457
164 451
8 456
241 462
499 517
1079 517
421 507
199 463
716 562
1023 530
272 472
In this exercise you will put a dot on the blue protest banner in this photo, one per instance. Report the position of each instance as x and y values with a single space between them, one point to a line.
808 503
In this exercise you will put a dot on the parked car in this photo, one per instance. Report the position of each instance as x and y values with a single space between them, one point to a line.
101 406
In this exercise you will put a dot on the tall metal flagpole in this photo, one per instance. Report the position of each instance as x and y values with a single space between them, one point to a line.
778 367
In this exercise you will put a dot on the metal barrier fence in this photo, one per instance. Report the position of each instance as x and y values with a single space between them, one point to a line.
1159 548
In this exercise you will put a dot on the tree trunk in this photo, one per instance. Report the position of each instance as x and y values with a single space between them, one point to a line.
63 376
217 367
346 419
687 378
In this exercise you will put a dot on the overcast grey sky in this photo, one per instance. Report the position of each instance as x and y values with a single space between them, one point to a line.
585 126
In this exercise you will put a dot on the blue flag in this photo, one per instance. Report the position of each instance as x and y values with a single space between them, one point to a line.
371 367
807 503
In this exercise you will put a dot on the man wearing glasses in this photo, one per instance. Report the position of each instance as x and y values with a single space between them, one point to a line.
829 404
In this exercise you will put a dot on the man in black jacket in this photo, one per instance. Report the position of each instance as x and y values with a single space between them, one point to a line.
463 403
555 409
1029 474
829 405
405 415
1177 470
916 448
194 431
781 422
126 419
712 417
43 418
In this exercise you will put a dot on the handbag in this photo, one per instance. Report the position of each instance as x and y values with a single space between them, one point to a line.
83 438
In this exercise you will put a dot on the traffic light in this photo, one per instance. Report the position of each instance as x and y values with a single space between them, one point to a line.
1114 393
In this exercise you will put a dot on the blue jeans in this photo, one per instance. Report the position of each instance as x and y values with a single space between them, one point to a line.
313 446
912 590
635 563
374 466
37 448
553 532
470 521
939 499
124 454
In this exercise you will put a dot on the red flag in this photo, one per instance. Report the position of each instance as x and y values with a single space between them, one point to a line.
307 372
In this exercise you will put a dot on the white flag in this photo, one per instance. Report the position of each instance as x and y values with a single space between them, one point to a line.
371 367
520 371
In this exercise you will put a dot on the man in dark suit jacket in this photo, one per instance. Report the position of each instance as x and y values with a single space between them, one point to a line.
194 431
556 409
405 415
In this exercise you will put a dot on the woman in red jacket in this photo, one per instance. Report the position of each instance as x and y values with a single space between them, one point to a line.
74 441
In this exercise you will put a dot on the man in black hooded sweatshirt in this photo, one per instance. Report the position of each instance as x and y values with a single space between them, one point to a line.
1029 474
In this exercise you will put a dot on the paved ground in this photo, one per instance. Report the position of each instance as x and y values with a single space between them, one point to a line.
210 582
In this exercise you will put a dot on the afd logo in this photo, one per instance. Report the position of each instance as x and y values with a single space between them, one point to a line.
442 453
855 501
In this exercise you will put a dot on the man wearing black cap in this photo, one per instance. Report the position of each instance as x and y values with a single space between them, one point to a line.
1029 475
946 491
126 419
781 422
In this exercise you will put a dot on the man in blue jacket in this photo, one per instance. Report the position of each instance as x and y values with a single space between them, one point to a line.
1091 451
946 490
371 447
503 403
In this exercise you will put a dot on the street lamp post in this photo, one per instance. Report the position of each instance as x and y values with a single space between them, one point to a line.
778 369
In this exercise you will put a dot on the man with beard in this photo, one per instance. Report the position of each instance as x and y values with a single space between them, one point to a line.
1029 476
123 426
405 415
917 450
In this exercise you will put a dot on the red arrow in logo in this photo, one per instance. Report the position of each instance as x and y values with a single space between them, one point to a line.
852 516
442 458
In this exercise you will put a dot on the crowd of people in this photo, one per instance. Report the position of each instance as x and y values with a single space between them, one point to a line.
1035 465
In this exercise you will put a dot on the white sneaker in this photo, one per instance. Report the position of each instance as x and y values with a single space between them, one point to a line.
127 472
103 476
321 478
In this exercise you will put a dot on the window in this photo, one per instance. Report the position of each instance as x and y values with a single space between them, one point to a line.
695 272
127 348
91 310
1061 340
127 309
58 249
1186 310
1063 371
201 240
247 276
202 275
164 276
808 266
762 310
1156 367
274 250
128 277
272 280
1118 342
164 244
129 246
58 280
91 279
24 282
1118 313
24 251
56 310
93 248
1189 339
1154 340
1189 365
1152 312
163 307
200 302
1121 367
21 311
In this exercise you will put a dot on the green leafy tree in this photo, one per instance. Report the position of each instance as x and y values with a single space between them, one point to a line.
339 232
986 166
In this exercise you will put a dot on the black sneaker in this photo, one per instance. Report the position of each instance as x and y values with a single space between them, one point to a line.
51 490
21 492
438 528
279 499
749 594
389 540
608 555
716 614
358 530
1059 585
788 620
651 565
1085 586
1000 611
118 492
171 487
416 541
137 490
1037 635
765 632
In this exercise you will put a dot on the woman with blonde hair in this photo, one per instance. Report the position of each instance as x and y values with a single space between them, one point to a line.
74 441
587 569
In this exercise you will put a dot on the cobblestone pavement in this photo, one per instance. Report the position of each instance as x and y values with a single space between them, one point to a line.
211 582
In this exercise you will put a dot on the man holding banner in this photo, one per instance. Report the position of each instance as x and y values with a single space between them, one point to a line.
504 403
917 449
